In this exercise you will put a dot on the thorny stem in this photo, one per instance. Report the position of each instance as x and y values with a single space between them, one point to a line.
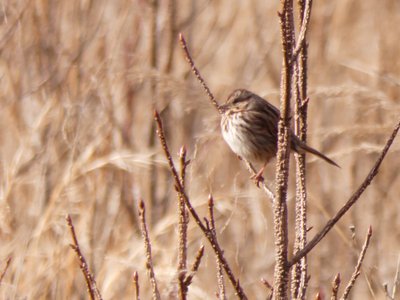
299 271
282 166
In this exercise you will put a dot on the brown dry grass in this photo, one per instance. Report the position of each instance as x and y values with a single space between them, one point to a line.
76 132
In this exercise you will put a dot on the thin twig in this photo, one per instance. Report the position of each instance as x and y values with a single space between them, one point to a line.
93 291
303 30
353 199
5 270
214 244
356 272
136 285
220 275
195 266
147 245
335 287
197 73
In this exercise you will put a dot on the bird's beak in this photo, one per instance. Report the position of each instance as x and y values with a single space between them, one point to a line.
222 108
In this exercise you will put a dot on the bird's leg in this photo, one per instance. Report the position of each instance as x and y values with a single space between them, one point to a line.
258 178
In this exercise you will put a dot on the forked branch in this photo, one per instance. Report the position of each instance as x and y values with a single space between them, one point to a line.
206 230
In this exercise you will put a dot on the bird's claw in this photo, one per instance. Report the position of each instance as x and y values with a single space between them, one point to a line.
258 178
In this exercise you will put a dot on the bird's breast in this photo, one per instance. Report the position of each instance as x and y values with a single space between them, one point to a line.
236 134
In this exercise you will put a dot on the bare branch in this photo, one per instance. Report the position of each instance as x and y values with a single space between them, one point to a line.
207 232
147 246
353 199
197 73
303 30
89 278
356 272
178 185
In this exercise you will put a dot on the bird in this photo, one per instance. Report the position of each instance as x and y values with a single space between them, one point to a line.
249 125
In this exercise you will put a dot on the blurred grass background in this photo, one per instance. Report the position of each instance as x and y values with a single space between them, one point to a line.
79 82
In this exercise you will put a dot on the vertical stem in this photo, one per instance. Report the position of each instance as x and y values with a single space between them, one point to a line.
299 272
281 272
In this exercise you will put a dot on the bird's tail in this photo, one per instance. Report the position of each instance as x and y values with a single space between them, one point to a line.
301 147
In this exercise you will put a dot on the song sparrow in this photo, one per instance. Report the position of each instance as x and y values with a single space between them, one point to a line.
249 125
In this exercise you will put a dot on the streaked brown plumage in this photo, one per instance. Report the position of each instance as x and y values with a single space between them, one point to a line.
249 125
